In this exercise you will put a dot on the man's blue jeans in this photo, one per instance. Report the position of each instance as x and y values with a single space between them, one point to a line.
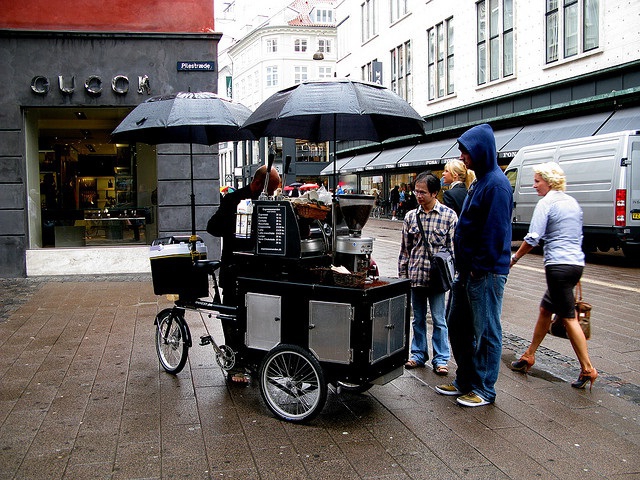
475 332
420 298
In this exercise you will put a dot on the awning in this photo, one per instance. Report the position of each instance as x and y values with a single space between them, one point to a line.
565 129
625 119
503 137
328 170
388 158
432 153
358 162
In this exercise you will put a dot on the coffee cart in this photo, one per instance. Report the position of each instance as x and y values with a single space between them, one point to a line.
305 325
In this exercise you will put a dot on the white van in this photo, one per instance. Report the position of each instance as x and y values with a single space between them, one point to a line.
603 174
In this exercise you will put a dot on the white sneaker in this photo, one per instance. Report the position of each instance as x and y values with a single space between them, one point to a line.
448 389
472 400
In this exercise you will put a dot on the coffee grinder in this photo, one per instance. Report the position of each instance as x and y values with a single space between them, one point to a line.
353 251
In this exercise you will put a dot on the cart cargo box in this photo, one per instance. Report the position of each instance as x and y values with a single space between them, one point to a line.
172 268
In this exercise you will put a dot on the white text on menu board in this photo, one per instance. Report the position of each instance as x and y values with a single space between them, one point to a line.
271 230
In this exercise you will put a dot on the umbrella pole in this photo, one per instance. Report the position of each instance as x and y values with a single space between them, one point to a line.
334 203
193 199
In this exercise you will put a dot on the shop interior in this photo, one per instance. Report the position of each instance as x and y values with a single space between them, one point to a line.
90 191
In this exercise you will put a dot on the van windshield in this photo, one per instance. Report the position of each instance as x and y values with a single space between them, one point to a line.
512 176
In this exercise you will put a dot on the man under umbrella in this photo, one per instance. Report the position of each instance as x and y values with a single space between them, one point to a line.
223 224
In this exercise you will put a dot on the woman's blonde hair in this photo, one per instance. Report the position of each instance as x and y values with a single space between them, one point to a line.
552 174
457 167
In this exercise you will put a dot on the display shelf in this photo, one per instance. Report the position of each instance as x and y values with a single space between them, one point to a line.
96 192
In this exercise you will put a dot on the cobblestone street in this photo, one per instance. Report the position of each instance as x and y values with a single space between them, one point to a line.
82 396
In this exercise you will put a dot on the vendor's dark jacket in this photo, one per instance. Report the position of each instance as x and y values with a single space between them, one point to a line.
223 224
483 236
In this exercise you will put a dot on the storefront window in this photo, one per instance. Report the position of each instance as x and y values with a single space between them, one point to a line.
310 152
88 190
348 184
371 184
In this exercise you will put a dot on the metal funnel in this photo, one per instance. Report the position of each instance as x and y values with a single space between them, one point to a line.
356 210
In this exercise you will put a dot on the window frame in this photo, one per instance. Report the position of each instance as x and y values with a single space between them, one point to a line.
398 9
325 71
440 60
327 13
369 17
300 45
572 29
272 45
300 74
324 45
272 77
401 74
366 71
495 46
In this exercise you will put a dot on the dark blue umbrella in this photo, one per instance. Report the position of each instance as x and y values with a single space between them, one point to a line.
339 109
332 110
202 118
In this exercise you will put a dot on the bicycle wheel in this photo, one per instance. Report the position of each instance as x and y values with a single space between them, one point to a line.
292 383
171 337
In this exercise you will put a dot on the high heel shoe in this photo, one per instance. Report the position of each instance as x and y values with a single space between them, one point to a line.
524 364
584 378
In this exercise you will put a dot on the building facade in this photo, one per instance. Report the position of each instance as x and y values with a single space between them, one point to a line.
72 201
536 71
294 44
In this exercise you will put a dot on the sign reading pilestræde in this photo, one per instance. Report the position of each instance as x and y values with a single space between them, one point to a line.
196 66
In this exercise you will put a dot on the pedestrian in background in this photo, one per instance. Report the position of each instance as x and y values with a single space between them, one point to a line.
482 250
557 221
394 200
459 179
401 206
426 230
410 201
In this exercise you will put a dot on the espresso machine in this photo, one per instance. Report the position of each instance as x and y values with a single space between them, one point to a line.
353 251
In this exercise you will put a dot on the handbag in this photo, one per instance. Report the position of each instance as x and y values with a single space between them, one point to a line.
442 266
583 312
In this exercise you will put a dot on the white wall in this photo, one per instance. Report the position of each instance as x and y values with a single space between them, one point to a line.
251 59
619 44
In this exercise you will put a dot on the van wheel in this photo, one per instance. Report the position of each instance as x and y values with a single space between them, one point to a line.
632 252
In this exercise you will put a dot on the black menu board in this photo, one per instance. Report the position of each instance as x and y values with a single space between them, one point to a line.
271 229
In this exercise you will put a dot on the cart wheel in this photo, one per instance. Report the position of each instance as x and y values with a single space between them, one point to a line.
171 335
353 387
292 383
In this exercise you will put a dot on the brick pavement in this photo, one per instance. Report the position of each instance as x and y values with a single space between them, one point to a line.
82 396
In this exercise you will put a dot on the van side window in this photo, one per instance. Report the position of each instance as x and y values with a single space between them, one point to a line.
635 176
512 175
